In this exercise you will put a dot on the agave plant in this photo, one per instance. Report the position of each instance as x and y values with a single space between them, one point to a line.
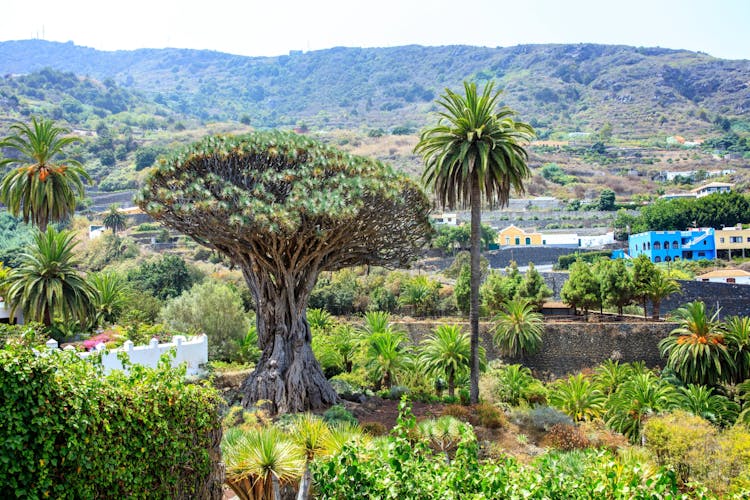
696 349
443 434
261 461
518 329
643 394
701 401
578 397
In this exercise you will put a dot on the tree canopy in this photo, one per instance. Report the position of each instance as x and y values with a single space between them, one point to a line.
283 208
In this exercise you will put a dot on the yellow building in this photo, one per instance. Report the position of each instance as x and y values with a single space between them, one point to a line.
732 242
515 236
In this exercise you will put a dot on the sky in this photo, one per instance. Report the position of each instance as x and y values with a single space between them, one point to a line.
274 27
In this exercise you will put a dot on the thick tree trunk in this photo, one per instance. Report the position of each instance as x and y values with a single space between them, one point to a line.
476 218
451 384
656 306
287 375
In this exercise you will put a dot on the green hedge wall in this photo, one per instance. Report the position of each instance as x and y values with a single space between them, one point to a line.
68 431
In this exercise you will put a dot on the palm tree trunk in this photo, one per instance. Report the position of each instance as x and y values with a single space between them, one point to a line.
451 383
656 306
476 218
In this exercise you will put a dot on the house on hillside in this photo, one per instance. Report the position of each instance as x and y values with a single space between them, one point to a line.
445 219
732 241
711 188
736 276
515 236
668 246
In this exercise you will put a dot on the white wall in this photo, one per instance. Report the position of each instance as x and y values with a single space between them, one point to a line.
193 352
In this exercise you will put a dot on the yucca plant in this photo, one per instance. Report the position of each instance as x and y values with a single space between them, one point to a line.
261 461
342 433
696 350
442 434
311 434
577 397
701 401
519 328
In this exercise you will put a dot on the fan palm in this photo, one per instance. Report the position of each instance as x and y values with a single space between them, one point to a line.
47 284
578 398
44 188
446 352
260 461
519 328
474 153
114 220
696 350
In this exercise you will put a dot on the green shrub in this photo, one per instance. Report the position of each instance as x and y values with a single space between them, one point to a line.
374 428
68 431
489 416
682 441
339 414
458 411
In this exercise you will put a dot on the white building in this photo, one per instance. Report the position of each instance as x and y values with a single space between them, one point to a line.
737 276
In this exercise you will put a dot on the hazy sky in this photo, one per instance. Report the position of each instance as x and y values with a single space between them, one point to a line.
273 27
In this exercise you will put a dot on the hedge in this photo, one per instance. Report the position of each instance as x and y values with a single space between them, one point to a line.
69 431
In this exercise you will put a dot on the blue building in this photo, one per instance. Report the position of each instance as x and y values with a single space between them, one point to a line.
668 246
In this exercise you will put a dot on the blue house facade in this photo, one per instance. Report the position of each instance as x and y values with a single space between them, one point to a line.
668 246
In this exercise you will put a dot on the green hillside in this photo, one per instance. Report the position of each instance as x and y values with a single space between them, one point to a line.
641 92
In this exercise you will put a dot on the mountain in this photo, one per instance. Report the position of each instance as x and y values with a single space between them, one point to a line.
632 92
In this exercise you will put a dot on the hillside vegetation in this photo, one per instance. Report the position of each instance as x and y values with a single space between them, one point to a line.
605 115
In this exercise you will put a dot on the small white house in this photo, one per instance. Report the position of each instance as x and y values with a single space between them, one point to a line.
598 240
711 188
95 231
5 314
736 276
445 219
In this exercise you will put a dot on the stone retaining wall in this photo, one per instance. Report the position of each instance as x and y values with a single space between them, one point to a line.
569 347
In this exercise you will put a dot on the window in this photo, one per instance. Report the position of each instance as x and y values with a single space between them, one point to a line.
675 245
705 242
649 245
731 280
701 254
507 240
657 259
668 258
528 241
518 240
666 245
657 245
636 247
721 240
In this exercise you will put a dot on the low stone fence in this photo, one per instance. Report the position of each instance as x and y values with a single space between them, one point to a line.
569 347
193 352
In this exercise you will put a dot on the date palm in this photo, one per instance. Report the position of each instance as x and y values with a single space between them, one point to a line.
518 328
44 187
474 153
446 352
640 396
386 355
659 288
738 341
578 397
696 350
110 297
47 283
114 220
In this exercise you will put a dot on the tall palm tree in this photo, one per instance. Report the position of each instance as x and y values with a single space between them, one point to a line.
697 349
518 328
659 288
47 284
45 185
114 220
474 153
446 352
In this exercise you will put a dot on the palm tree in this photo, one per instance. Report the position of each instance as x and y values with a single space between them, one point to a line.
519 328
578 398
738 341
114 219
696 349
641 395
47 284
44 188
110 297
474 153
701 401
659 288
386 356
446 353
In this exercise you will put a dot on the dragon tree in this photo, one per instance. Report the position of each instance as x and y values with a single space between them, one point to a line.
283 208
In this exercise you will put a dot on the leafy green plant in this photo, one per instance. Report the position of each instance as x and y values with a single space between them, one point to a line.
339 414
701 401
518 329
639 397
578 397
61 417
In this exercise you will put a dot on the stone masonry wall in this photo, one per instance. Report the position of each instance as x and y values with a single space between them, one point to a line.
568 347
